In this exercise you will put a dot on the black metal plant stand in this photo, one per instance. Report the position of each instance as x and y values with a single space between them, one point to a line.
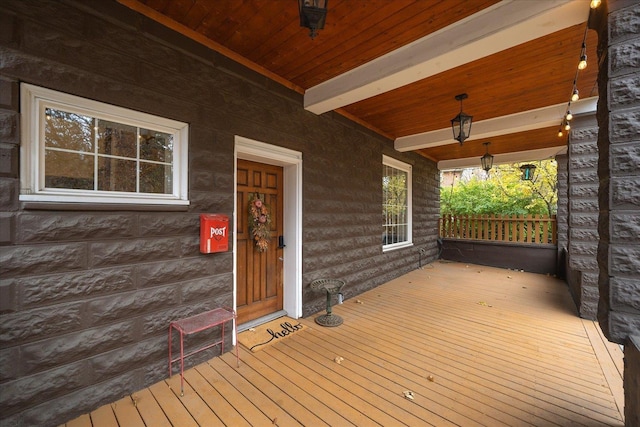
331 287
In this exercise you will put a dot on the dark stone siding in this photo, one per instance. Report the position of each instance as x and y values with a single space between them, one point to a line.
86 295
619 173
618 252
582 241
562 216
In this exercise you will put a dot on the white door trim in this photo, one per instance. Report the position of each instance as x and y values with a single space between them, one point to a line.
291 162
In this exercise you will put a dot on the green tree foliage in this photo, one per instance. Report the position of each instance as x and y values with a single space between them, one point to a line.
502 191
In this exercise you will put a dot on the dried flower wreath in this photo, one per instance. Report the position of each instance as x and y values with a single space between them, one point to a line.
259 222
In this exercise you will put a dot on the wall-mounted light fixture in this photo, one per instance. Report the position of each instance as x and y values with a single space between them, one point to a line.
527 172
487 159
312 15
461 124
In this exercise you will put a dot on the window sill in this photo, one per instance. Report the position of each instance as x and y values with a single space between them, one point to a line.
397 246
88 206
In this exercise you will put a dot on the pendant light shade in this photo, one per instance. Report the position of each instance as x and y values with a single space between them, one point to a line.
487 159
461 124
312 15
528 172
583 62
575 95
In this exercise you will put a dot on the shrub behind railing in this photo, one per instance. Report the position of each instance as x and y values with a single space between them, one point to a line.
503 228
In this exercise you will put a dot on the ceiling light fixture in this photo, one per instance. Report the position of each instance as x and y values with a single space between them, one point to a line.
312 15
575 95
583 62
487 159
568 116
461 124
528 172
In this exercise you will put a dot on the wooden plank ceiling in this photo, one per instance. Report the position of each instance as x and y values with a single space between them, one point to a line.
396 66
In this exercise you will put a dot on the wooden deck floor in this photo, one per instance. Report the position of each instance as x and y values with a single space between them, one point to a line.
475 345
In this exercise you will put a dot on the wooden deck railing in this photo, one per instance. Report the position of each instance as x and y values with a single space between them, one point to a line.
503 228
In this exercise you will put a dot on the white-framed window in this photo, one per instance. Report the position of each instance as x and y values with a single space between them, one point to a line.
396 204
79 150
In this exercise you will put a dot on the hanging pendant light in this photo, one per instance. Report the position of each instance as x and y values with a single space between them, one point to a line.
487 159
527 172
461 124
583 57
583 62
575 95
312 15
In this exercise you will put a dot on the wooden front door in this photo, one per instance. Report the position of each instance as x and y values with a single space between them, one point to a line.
259 275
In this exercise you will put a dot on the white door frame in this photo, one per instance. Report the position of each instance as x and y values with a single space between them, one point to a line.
291 162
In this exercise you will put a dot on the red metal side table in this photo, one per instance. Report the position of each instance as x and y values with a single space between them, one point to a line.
198 323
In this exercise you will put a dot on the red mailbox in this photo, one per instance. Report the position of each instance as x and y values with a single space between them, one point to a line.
214 233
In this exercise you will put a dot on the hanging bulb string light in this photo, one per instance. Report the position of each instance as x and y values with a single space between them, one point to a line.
582 64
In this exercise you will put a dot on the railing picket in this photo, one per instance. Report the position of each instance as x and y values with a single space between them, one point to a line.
487 227
513 225
513 231
476 227
522 233
467 233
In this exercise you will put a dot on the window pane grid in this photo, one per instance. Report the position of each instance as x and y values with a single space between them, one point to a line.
114 155
395 208
73 148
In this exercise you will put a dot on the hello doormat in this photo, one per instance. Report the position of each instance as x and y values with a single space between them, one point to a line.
262 336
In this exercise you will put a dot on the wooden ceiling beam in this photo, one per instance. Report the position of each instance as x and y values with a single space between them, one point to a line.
506 158
519 122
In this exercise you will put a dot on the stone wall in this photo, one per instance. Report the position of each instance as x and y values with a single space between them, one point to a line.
562 215
87 292
619 189
583 214
619 171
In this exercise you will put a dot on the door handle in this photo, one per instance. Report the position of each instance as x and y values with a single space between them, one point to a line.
281 244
